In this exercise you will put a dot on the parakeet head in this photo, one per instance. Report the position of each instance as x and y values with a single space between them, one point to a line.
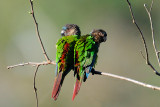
99 35
70 29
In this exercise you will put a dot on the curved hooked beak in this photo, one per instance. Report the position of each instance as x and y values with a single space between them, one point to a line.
104 38
62 32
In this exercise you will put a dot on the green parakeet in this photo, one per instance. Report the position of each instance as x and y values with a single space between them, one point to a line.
85 56
65 55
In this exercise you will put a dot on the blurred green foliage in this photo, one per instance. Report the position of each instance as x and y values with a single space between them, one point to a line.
119 55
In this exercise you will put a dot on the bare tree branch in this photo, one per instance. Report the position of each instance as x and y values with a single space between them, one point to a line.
142 37
34 82
152 30
37 31
143 40
38 64
128 79
151 7
32 63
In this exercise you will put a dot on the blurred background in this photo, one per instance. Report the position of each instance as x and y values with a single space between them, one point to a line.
119 55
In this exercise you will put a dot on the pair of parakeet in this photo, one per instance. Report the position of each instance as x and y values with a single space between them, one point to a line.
78 53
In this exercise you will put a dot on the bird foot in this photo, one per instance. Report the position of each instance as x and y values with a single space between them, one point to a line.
95 72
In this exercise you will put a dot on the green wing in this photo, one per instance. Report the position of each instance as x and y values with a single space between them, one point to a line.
85 55
65 52
64 61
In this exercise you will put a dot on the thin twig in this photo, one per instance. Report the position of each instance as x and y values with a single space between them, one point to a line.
152 30
38 64
151 7
37 31
34 82
142 37
128 79
143 40
32 63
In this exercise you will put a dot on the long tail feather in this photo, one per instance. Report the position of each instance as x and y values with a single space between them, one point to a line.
76 88
57 86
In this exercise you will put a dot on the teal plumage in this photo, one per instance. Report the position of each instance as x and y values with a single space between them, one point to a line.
85 56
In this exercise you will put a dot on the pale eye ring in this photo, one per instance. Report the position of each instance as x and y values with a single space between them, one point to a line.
62 31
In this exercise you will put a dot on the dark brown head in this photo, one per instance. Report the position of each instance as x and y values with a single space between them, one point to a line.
70 29
99 35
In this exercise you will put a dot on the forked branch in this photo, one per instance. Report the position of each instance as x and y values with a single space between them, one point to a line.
94 72
38 64
152 30
143 40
